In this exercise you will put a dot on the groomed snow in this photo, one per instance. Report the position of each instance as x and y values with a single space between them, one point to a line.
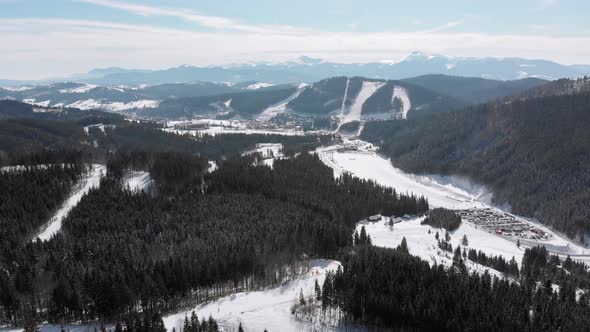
281 106
90 181
402 94
268 309
367 90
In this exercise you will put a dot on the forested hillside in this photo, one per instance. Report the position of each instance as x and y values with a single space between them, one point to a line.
531 152
474 90
199 235
388 288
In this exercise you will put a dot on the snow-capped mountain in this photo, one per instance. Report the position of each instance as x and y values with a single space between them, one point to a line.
307 69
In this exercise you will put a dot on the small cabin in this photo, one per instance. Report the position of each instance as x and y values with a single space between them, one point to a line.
376 217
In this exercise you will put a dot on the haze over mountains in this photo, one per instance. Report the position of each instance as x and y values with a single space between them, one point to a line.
307 69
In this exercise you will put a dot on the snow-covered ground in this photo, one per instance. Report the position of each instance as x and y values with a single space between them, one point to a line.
425 245
401 93
259 85
281 106
367 90
88 104
269 152
361 159
268 309
32 101
138 180
100 126
90 181
233 130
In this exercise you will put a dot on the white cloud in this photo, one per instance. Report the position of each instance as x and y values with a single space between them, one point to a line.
207 21
37 48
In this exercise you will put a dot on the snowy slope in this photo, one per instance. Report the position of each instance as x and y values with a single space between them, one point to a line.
90 181
269 309
367 90
425 245
280 107
360 159
401 93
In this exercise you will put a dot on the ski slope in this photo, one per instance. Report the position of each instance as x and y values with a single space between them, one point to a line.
268 309
91 180
280 107
367 90
401 93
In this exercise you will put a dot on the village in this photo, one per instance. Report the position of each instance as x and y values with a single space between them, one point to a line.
503 224
490 220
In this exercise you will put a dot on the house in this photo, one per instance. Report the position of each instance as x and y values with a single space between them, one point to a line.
376 217
395 220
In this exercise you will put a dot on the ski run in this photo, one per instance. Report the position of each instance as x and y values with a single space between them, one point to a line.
91 180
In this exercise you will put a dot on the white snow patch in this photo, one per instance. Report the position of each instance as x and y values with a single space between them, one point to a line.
90 181
268 309
450 66
259 85
227 103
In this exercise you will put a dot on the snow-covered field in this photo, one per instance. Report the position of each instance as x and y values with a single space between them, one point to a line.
425 245
236 130
268 309
360 159
138 180
90 181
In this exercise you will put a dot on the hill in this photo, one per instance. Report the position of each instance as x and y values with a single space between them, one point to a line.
474 89
531 151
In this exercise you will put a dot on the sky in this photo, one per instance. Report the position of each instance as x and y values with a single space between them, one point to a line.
51 38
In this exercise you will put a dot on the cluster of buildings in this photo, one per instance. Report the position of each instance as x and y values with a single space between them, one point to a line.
501 223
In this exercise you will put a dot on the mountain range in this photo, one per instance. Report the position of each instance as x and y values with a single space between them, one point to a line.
306 69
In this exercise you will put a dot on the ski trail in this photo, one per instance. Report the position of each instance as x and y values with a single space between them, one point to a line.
281 106
343 107
90 181
402 94
367 90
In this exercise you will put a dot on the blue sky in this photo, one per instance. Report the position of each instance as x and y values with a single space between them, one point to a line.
47 38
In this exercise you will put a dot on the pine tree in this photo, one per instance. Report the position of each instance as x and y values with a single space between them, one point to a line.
240 328
447 236
301 298
318 291
403 246
464 241
518 243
